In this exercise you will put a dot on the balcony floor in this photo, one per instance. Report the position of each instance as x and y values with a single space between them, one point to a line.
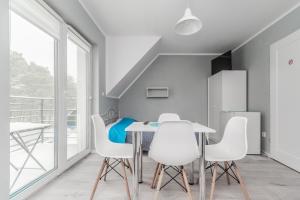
44 153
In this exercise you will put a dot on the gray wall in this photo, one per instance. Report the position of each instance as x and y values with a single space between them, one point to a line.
186 77
255 58
4 91
74 14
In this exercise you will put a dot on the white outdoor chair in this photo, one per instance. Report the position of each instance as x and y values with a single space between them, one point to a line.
120 153
164 117
232 147
174 145
168 117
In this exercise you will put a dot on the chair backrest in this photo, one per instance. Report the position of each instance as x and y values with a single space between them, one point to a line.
174 143
168 117
100 134
235 137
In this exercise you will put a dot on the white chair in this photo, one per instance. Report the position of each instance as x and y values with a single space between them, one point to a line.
168 117
174 145
232 147
120 153
164 117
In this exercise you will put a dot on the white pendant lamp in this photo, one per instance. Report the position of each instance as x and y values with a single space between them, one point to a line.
188 24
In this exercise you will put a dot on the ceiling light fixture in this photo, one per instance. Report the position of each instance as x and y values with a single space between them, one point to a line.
188 24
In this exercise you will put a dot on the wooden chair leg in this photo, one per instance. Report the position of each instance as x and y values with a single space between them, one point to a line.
242 183
155 175
213 182
185 186
162 171
106 169
226 165
129 166
125 179
186 183
158 174
104 164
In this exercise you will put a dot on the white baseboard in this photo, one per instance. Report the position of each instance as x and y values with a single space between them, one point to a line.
267 154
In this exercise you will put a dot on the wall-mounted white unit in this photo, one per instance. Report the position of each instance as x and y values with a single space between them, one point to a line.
227 91
157 92
253 128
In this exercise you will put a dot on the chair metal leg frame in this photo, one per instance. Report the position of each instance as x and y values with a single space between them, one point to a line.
173 178
209 167
112 167
157 172
225 170
108 167
185 180
228 173
236 176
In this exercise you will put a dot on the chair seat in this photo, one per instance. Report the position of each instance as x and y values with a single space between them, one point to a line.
217 152
116 150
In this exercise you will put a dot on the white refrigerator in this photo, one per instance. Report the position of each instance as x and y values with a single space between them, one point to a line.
253 128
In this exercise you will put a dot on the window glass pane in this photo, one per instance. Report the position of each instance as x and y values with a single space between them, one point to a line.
76 98
32 103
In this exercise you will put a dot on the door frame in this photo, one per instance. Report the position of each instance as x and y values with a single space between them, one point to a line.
61 162
274 93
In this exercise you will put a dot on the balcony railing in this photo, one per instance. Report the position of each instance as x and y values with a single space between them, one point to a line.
39 110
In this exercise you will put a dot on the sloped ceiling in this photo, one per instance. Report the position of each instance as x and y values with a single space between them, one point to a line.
127 56
127 23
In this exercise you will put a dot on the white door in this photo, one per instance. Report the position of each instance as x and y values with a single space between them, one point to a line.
285 100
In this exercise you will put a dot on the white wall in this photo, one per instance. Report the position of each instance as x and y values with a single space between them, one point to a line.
123 53
4 91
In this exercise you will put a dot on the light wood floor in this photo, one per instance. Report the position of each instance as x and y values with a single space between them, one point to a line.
264 178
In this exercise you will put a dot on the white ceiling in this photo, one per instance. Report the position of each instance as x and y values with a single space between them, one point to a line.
227 23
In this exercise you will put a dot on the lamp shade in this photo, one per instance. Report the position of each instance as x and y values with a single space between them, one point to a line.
188 24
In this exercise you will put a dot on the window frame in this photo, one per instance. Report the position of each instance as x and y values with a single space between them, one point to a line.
60 67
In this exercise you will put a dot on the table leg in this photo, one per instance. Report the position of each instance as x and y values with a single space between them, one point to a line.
135 175
202 169
141 164
191 175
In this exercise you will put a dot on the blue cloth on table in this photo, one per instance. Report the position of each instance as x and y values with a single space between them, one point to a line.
117 132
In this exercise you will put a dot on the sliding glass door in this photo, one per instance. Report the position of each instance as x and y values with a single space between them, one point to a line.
49 95
32 102
76 99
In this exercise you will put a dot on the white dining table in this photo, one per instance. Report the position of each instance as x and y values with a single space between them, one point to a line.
137 129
